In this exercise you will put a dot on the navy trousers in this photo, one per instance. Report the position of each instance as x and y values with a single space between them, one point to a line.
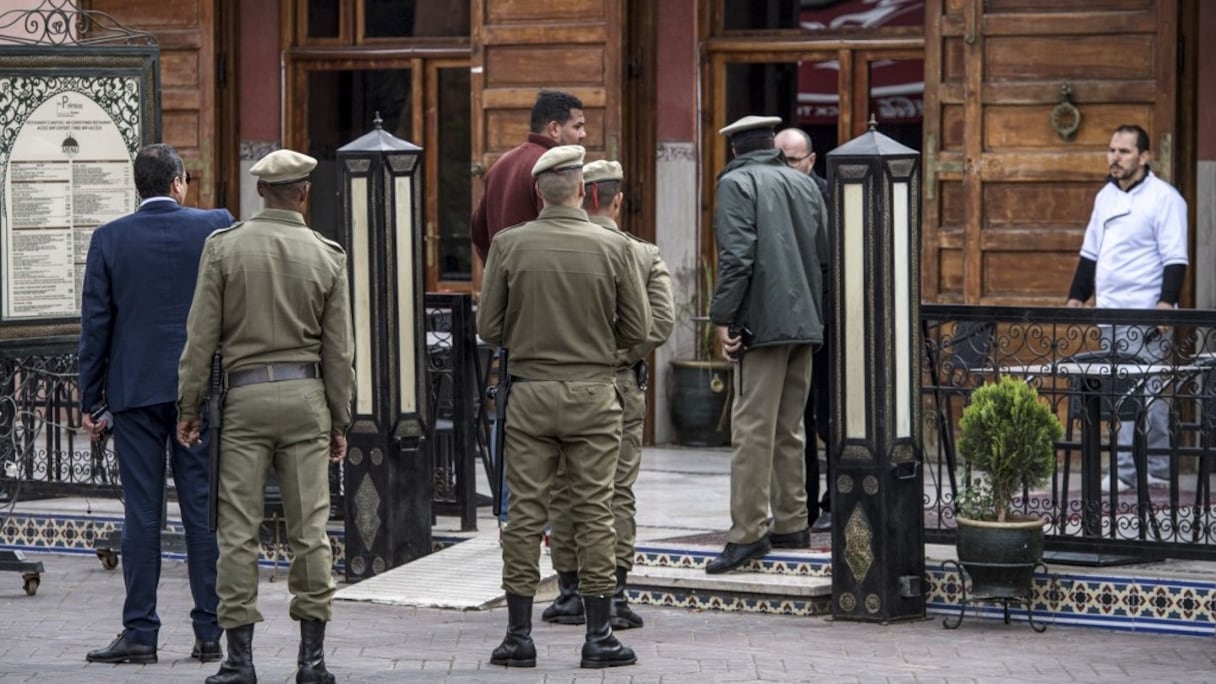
140 438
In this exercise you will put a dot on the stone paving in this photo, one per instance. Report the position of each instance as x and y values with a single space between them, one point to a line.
44 638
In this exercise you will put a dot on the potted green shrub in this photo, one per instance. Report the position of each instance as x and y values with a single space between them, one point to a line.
1008 440
702 388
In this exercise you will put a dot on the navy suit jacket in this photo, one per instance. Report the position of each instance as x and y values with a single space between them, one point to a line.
138 283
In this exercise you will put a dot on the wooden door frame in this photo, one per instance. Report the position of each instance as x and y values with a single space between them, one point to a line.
853 81
430 152
423 64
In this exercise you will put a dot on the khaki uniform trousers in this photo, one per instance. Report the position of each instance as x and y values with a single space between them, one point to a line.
624 503
284 424
576 425
767 466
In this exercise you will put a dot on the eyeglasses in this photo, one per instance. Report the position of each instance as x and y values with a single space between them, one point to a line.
795 160
186 178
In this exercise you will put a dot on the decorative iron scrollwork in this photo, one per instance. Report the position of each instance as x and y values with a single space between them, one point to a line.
59 22
1065 117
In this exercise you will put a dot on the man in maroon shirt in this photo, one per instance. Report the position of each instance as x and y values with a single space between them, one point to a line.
510 191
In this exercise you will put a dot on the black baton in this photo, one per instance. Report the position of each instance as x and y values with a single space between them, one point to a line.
215 408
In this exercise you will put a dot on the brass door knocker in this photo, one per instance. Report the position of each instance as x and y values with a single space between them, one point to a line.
1065 117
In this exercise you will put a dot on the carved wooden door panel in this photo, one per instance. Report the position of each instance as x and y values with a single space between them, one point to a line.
1022 97
523 46
186 33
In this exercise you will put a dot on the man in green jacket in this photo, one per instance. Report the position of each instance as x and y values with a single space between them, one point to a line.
769 223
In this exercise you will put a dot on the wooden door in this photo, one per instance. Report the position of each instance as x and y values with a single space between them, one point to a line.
521 47
1008 192
190 77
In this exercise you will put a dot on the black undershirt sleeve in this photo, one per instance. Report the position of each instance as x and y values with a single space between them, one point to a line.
1083 280
1171 283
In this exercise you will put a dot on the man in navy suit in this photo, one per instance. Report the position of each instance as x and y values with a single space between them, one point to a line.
138 285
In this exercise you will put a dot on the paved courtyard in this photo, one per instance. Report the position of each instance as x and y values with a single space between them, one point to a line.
44 639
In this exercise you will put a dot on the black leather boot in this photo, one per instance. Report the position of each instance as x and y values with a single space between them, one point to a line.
567 608
517 649
601 649
622 616
311 662
237 668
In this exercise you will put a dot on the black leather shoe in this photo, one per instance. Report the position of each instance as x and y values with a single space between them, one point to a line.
791 540
121 650
823 523
735 555
206 651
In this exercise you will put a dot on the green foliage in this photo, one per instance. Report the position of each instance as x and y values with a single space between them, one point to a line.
1009 435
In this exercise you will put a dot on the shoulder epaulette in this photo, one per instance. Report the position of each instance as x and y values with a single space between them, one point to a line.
219 231
329 242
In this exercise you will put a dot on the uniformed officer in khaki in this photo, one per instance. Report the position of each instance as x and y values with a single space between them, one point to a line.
272 298
562 295
602 201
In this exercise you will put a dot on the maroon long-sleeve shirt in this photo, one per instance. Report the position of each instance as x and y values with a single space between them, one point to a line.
510 192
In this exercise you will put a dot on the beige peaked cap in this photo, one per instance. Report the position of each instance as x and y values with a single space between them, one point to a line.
283 166
560 158
749 123
602 171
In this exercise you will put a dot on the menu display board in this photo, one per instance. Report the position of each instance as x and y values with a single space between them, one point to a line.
71 122
68 172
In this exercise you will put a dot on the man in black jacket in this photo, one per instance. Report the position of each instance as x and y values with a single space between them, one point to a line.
799 153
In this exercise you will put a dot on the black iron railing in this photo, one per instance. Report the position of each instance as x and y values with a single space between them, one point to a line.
1109 375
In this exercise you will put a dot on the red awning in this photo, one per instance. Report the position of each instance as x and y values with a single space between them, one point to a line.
897 87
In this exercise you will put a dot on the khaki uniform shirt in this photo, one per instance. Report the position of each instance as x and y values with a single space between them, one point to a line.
653 272
562 294
270 290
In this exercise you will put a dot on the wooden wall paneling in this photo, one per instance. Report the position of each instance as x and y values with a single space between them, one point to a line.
186 34
1025 192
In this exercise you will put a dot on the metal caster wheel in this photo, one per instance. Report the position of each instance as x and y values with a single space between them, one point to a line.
32 580
108 558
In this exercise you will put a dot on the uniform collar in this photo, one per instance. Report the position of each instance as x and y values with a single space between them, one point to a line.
605 222
563 212
281 216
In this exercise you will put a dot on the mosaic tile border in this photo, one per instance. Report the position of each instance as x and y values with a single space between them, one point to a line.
91 534
731 602
1140 604
803 565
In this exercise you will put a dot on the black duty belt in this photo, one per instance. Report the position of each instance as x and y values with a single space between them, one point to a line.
275 372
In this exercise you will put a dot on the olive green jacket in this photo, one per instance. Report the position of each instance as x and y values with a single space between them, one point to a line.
562 295
270 290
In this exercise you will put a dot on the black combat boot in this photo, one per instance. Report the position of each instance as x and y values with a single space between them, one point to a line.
622 616
311 662
567 608
601 649
517 649
237 668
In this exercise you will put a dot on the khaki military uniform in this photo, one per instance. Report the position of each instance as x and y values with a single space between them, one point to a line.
271 294
562 295
654 273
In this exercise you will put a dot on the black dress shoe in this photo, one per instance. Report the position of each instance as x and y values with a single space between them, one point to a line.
735 555
791 540
122 650
823 523
206 651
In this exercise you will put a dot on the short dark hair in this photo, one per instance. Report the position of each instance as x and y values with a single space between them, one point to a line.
155 168
1141 135
603 193
553 105
752 141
